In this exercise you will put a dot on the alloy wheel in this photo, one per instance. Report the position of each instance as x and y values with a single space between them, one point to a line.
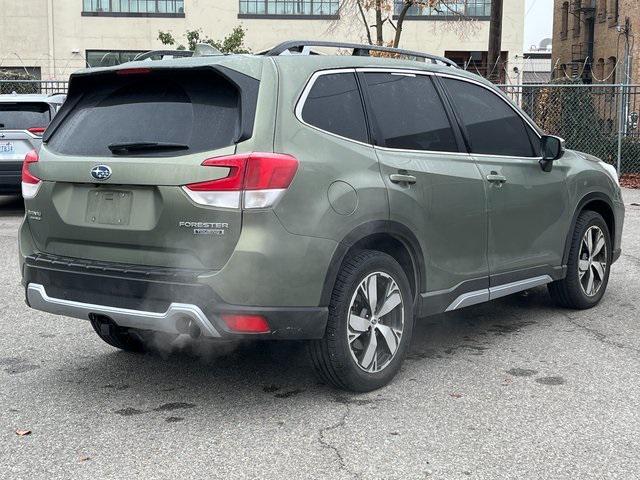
376 322
592 261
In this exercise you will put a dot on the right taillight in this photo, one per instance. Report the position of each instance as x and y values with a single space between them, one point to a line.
254 180
30 183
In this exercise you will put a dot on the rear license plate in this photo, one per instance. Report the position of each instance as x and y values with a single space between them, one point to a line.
109 207
6 147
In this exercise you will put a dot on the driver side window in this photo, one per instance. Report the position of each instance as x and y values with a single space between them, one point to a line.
493 127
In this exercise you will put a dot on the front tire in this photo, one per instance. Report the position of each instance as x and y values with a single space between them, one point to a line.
588 266
370 324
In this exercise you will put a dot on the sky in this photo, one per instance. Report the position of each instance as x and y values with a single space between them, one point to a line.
538 23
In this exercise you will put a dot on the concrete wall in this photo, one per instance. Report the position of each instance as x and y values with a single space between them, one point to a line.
54 35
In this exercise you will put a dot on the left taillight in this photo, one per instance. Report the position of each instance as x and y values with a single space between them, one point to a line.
254 180
30 183
37 131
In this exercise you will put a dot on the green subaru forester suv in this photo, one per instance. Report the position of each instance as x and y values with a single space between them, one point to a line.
291 195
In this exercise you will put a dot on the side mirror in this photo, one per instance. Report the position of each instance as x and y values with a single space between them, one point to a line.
552 149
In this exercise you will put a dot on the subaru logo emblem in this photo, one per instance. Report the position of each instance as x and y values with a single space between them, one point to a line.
100 172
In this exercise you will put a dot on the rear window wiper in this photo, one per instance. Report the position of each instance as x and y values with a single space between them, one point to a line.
122 148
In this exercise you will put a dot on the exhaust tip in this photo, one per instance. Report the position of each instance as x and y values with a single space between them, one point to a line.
187 326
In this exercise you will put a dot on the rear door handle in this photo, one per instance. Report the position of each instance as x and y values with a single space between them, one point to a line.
495 178
401 178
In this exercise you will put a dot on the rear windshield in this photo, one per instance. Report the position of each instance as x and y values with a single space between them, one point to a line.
23 115
198 110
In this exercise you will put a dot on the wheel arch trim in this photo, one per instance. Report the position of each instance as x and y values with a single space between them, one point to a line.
584 201
397 231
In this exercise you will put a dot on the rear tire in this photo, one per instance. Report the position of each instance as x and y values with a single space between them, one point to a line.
363 347
588 266
127 339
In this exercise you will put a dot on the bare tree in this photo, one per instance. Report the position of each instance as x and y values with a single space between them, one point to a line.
394 12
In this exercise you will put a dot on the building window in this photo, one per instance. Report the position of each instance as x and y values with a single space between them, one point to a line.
289 8
577 18
444 10
565 21
612 66
602 10
110 58
600 73
133 8
614 12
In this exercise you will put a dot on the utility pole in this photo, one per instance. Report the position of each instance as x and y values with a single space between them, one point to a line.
494 57
623 95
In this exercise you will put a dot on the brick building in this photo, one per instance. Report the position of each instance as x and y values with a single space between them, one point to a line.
590 37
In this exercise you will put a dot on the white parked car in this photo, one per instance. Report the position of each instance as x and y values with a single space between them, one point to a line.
23 120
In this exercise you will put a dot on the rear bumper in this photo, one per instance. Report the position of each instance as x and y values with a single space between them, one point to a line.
10 176
152 299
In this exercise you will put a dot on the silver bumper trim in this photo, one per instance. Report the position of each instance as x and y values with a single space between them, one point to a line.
159 322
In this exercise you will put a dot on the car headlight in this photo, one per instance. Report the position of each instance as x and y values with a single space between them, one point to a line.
611 170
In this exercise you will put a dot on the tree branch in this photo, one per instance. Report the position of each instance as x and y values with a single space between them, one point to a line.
364 21
403 13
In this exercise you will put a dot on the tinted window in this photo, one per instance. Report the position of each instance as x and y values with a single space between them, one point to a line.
493 127
409 112
198 109
334 105
23 115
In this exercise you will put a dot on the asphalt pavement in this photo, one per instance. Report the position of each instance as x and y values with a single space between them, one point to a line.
513 389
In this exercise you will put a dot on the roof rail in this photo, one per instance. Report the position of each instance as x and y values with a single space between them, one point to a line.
362 50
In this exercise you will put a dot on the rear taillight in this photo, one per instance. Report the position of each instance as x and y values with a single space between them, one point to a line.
30 183
254 180
37 130
133 71
246 323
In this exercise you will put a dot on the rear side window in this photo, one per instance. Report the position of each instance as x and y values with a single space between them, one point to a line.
409 112
334 105
493 127
198 110
23 115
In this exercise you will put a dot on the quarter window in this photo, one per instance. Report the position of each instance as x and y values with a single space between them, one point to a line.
492 125
409 112
334 105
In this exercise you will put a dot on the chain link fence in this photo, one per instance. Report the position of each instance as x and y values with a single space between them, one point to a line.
602 120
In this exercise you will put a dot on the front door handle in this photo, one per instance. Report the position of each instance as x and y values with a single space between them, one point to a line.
495 178
401 178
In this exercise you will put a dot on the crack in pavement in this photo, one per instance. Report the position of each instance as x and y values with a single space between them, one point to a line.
599 336
326 444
